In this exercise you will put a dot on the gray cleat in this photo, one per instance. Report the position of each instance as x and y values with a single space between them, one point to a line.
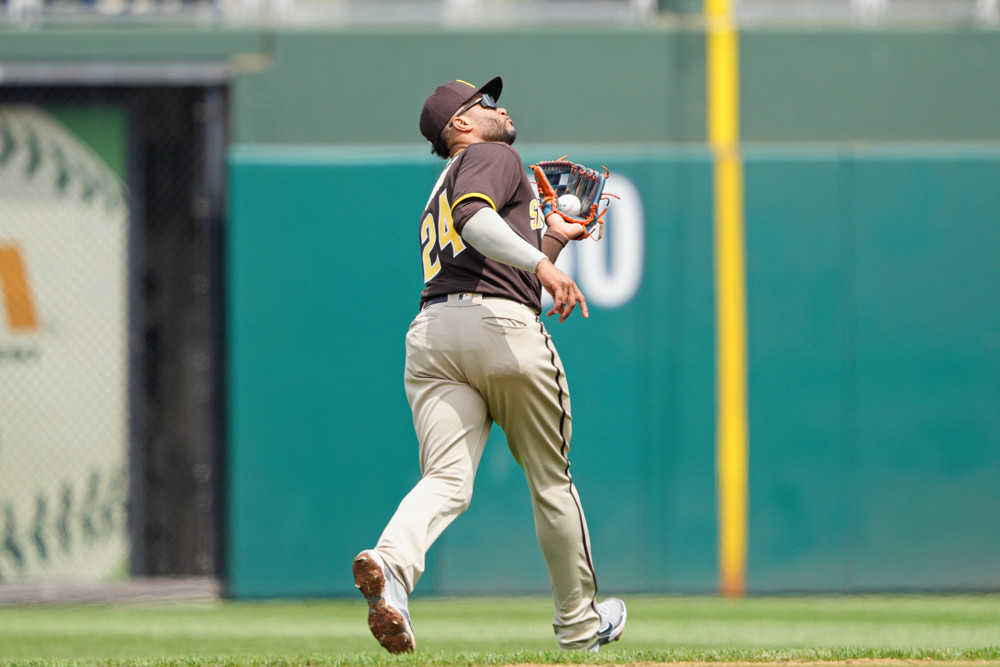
613 616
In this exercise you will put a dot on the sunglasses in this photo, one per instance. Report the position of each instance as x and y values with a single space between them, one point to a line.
487 101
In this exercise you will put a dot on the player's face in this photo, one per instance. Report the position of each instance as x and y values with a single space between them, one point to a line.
491 121
498 127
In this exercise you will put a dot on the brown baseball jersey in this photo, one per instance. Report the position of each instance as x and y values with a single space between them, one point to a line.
491 172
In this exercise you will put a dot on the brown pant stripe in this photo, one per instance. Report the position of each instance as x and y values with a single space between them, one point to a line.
565 454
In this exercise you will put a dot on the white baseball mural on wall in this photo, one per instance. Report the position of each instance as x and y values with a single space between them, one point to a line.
63 355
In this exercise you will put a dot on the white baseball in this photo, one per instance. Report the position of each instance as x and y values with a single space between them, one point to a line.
570 204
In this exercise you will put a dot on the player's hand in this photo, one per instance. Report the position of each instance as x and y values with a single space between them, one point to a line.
570 230
565 293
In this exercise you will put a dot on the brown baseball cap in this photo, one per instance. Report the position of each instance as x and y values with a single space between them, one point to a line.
447 99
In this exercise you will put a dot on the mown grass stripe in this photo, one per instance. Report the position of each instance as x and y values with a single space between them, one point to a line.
949 630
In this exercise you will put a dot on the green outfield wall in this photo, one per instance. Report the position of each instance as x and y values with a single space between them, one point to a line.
873 358
322 297
641 84
872 192
874 366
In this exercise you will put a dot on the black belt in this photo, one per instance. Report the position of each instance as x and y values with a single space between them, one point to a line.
435 299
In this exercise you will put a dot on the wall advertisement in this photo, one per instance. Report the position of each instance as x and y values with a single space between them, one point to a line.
63 344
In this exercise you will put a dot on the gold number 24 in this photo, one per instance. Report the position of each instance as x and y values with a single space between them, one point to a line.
441 235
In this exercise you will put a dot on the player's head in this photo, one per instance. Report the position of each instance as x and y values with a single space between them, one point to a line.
476 106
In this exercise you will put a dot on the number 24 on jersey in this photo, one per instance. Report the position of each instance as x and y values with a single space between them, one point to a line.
436 235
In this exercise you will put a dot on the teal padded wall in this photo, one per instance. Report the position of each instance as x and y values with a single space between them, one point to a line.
874 356
927 367
322 288
796 311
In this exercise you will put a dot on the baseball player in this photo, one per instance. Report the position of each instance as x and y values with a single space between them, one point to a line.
478 353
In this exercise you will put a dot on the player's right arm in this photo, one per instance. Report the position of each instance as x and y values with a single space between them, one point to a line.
490 234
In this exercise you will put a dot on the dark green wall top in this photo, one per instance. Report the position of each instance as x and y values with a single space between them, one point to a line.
640 84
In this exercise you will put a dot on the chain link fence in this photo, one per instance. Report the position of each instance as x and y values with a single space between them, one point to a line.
110 332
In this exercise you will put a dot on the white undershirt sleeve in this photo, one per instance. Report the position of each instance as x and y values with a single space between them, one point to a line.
488 233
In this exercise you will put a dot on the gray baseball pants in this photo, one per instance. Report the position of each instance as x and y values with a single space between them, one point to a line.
472 361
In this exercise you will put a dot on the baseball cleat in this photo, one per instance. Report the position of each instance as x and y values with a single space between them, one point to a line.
388 616
613 616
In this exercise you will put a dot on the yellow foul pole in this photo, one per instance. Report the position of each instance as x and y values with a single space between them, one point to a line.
730 289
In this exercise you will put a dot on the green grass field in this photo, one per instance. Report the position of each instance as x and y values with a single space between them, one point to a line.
499 631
